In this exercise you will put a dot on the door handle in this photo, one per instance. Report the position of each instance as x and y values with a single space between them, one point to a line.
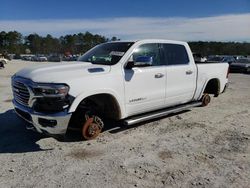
189 72
159 75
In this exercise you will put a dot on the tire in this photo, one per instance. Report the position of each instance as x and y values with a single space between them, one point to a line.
3 61
1 64
247 71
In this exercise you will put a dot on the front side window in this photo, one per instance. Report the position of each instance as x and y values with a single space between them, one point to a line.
106 53
147 52
175 54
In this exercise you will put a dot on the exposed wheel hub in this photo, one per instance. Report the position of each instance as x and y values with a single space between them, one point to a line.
205 100
92 127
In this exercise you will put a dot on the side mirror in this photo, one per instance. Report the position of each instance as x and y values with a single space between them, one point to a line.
130 65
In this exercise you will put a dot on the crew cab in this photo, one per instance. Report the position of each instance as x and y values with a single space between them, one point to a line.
127 81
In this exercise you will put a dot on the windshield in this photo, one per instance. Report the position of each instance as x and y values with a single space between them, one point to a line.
106 53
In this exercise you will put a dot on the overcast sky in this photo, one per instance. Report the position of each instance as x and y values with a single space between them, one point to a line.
220 20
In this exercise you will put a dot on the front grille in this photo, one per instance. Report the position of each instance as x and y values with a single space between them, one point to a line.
21 93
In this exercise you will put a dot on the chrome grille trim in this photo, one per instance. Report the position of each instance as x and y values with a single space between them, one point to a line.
21 92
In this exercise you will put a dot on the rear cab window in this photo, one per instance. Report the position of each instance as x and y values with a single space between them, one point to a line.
174 54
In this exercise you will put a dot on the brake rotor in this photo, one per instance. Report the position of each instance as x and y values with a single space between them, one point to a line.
92 127
206 100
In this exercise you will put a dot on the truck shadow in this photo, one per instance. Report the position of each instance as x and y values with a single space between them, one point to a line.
117 127
114 127
14 138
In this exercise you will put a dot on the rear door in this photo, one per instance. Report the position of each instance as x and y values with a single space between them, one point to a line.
145 86
180 73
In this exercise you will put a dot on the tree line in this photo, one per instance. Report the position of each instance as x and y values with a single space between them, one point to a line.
220 48
15 43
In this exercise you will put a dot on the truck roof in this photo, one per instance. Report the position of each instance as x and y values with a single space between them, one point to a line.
153 41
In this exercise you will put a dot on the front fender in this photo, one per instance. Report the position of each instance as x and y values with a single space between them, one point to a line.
79 98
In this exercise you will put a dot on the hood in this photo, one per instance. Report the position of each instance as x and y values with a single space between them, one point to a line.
61 72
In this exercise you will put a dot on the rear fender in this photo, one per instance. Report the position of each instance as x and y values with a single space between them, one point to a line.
205 85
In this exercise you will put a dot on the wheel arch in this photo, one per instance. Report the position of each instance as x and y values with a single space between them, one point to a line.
212 86
3 61
109 100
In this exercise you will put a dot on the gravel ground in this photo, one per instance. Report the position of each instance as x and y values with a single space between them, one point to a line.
204 147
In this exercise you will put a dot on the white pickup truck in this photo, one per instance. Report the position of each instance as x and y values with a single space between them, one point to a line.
127 81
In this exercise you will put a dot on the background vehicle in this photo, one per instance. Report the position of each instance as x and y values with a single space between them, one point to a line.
239 57
241 65
70 58
228 59
55 58
3 61
40 58
1 64
199 57
127 81
27 57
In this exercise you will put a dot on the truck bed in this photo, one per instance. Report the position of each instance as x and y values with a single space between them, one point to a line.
210 70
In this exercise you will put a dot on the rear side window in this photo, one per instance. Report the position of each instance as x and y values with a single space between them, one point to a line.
175 54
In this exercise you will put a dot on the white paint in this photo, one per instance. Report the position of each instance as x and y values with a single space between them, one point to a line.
135 90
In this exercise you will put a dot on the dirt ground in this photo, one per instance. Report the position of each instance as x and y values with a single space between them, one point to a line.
204 147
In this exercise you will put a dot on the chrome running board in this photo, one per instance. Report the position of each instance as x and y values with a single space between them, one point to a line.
160 113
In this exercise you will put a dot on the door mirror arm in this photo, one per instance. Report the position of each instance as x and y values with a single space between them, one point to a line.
130 65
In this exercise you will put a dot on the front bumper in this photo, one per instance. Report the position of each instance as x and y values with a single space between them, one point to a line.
53 124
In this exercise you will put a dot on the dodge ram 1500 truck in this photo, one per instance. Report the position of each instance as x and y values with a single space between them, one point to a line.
128 81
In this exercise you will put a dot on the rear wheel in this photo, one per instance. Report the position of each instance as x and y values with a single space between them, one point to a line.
205 99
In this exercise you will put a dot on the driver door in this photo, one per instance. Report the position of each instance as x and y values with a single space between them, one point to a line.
145 85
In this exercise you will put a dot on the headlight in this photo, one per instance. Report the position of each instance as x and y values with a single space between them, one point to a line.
51 90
